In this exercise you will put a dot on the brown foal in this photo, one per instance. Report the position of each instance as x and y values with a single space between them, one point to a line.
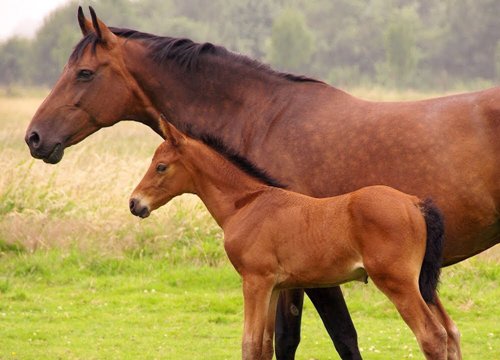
278 239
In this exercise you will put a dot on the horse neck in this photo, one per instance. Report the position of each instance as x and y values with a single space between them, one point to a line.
221 185
222 96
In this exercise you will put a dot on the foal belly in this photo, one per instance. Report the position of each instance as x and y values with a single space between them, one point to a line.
314 276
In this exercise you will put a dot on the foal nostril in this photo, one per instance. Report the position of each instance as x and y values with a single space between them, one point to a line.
34 139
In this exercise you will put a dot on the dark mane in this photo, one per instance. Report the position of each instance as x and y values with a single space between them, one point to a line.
185 52
241 162
89 39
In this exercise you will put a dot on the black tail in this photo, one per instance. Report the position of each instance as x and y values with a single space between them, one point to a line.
431 266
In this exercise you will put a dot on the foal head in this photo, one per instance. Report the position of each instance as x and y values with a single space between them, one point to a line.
166 177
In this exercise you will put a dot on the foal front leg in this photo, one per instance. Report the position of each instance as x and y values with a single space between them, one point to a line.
267 344
257 292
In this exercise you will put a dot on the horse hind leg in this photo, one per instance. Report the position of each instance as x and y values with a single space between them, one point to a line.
331 306
453 343
288 319
405 295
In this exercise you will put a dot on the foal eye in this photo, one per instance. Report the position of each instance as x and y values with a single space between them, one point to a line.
161 168
85 75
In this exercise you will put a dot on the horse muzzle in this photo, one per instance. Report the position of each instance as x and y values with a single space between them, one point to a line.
49 153
138 209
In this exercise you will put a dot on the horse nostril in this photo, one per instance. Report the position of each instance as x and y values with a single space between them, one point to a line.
131 205
34 139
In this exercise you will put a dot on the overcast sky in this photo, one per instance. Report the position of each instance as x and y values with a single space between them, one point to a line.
24 17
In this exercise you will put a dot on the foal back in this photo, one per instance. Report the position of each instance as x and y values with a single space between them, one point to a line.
309 242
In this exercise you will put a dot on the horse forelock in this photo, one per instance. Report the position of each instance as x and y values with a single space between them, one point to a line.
184 52
89 39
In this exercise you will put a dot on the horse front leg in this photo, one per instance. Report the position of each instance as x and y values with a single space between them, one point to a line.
257 291
331 307
288 318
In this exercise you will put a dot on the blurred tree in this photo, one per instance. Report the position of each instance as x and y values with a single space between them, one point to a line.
252 21
401 52
53 43
14 56
471 38
292 43
419 43
497 62
349 38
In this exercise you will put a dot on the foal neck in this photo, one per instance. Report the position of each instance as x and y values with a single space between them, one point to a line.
221 185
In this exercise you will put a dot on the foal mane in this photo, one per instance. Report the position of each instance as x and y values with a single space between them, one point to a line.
238 160
185 52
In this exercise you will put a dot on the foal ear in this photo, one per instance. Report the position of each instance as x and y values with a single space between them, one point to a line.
170 132
85 24
101 30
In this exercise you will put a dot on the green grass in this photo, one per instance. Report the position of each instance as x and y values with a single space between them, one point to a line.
74 305
80 278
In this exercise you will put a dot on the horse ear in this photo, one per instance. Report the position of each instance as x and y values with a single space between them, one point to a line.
85 24
170 132
101 30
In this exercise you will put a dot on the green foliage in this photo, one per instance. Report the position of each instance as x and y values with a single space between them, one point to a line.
497 61
401 52
345 75
53 43
473 32
400 43
292 43
11 247
15 55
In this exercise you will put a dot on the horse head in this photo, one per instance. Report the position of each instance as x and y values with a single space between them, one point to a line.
95 90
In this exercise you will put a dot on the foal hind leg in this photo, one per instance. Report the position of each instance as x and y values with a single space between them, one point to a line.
453 343
405 295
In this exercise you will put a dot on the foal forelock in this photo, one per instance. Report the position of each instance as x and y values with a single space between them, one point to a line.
184 52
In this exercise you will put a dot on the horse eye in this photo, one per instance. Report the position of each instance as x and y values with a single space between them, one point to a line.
85 75
161 168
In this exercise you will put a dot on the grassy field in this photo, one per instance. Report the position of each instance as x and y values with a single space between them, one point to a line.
80 278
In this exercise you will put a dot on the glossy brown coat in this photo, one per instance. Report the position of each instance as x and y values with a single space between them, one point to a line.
277 239
314 138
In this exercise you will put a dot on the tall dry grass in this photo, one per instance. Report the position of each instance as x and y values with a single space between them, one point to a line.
83 201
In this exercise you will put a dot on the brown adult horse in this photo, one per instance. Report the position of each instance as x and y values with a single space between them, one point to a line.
278 239
314 138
